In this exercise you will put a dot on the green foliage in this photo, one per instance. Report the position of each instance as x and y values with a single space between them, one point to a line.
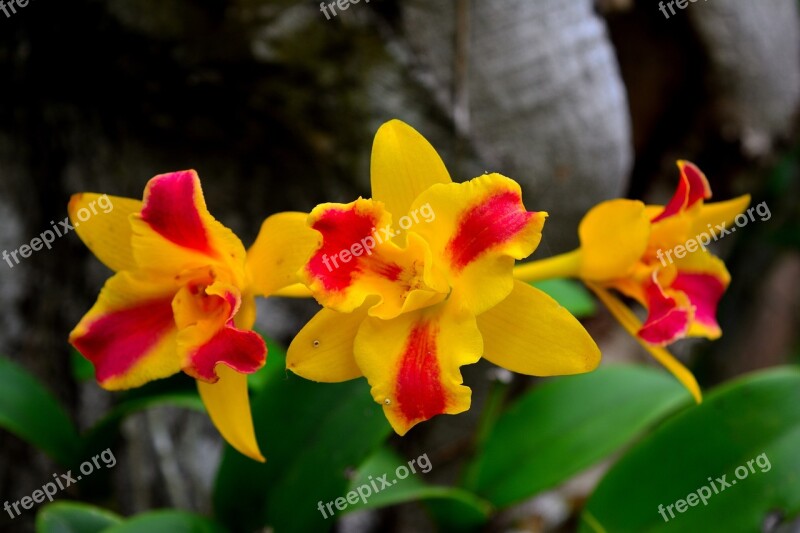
571 294
312 435
167 520
566 425
454 509
736 423
81 368
72 517
31 412
257 380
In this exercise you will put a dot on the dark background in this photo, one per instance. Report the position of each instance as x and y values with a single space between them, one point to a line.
275 107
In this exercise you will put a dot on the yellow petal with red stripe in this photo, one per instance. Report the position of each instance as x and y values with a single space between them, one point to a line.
323 350
476 230
228 406
283 245
530 333
403 165
412 363
613 236
130 333
703 279
357 261
103 224
175 232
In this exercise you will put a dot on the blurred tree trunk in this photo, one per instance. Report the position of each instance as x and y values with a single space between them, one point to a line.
754 50
547 105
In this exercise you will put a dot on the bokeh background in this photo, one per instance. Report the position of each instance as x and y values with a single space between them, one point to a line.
275 106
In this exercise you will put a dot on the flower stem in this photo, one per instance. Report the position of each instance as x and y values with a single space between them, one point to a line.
560 266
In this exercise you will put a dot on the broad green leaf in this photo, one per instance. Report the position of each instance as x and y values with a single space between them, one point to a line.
29 411
167 521
74 517
312 434
736 424
571 294
566 425
454 509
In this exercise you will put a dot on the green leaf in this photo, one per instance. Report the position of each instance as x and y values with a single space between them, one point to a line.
571 294
257 380
82 369
566 425
454 509
74 517
29 411
312 434
167 520
759 414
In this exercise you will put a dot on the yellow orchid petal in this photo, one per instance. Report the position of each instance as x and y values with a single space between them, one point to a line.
107 230
403 165
355 261
670 232
130 334
175 233
530 333
246 316
296 290
228 406
476 230
716 214
323 350
412 363
613 235
283 245
632 325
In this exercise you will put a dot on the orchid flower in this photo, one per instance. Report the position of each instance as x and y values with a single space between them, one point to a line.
657 256
182 296
418 281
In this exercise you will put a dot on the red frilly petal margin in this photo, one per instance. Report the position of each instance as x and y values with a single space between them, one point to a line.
666 320
692 188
